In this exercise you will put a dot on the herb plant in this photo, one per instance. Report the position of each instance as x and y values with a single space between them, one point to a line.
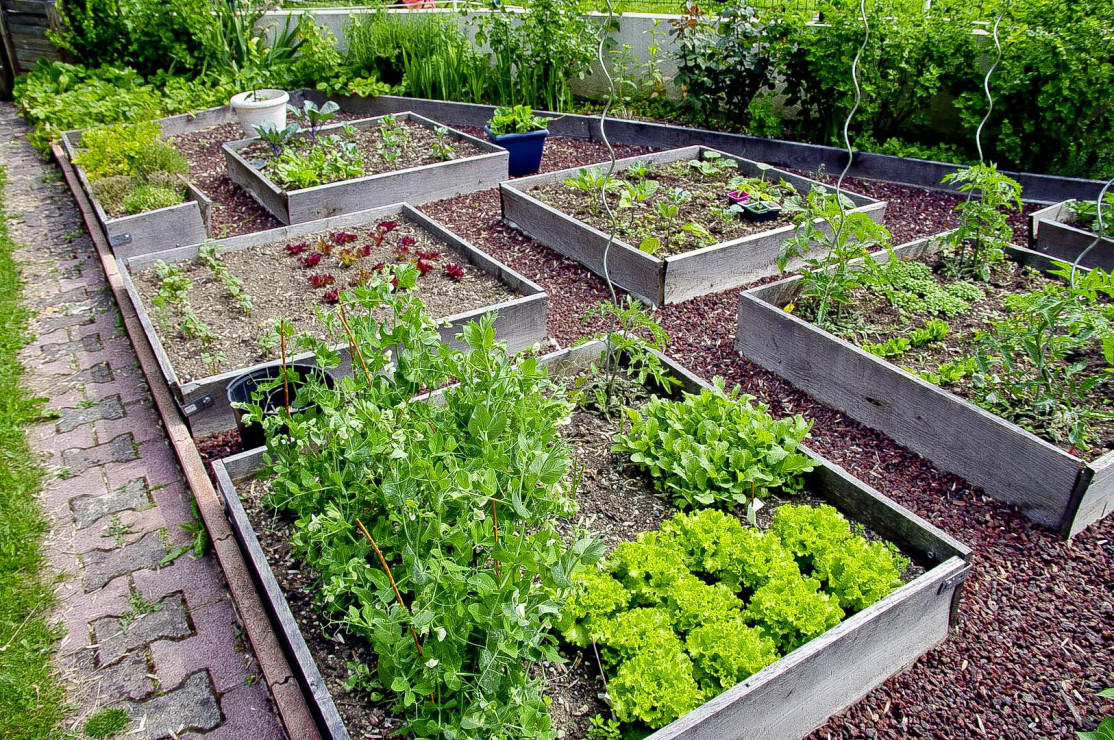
131 169
517 119
716 448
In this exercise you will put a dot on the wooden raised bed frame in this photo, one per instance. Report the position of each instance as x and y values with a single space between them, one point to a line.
521 322
416 185
152 231
1051 487
1052 231
660 280
786 700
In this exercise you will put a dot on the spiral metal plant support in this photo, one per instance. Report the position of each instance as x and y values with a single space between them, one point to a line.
986 86
1100 230
607 179
847 124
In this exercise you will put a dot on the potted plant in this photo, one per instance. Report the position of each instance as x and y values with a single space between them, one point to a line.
522 134
259 106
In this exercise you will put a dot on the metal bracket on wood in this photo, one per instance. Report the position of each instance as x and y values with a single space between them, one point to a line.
118 240
197 404
954 580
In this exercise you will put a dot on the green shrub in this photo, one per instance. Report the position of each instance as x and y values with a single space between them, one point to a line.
116 150
111 192
148 197
716 449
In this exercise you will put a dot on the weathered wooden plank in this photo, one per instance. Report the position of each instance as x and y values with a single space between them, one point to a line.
304 668
799 692
1052 231
520 322
1011 464
1097 498
416 185
637 272
654 279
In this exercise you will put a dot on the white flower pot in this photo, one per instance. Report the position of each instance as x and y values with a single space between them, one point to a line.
257 107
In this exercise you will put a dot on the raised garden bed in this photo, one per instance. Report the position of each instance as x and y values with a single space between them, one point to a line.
152 231
416 176
1051 486
747 252
1056 231
279 285
787 699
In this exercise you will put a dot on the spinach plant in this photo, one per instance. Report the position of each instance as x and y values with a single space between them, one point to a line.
716 448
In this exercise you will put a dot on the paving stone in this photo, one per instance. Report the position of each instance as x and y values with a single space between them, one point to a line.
101 566
191 706
77 295
99 373
87 343
49 324
120 449
106 408
169 622
88 509
128 679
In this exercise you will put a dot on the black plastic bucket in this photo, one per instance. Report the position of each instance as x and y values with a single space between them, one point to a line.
243 388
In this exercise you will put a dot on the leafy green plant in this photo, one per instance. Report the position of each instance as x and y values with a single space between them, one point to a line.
330 161
442 149
911 288
689 610
432 524
1086 213
984 230
315 117
518 119
1105 730
199 538
1028 366
713 164
276 138
209 254
716 448
603 728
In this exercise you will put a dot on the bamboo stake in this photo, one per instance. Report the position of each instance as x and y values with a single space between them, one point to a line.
352 342
285 375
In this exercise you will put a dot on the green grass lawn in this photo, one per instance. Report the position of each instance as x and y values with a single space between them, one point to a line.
30 695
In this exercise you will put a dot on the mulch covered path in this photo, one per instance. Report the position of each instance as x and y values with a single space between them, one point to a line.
1035 640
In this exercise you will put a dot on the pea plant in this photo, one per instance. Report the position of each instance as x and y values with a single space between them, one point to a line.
432 524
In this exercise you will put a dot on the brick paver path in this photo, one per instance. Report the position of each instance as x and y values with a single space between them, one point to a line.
164 643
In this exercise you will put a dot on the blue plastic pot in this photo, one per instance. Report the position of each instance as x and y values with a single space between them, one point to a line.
525 150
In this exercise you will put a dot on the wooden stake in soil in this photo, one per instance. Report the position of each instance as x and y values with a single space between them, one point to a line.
285 377
391 578
352 341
